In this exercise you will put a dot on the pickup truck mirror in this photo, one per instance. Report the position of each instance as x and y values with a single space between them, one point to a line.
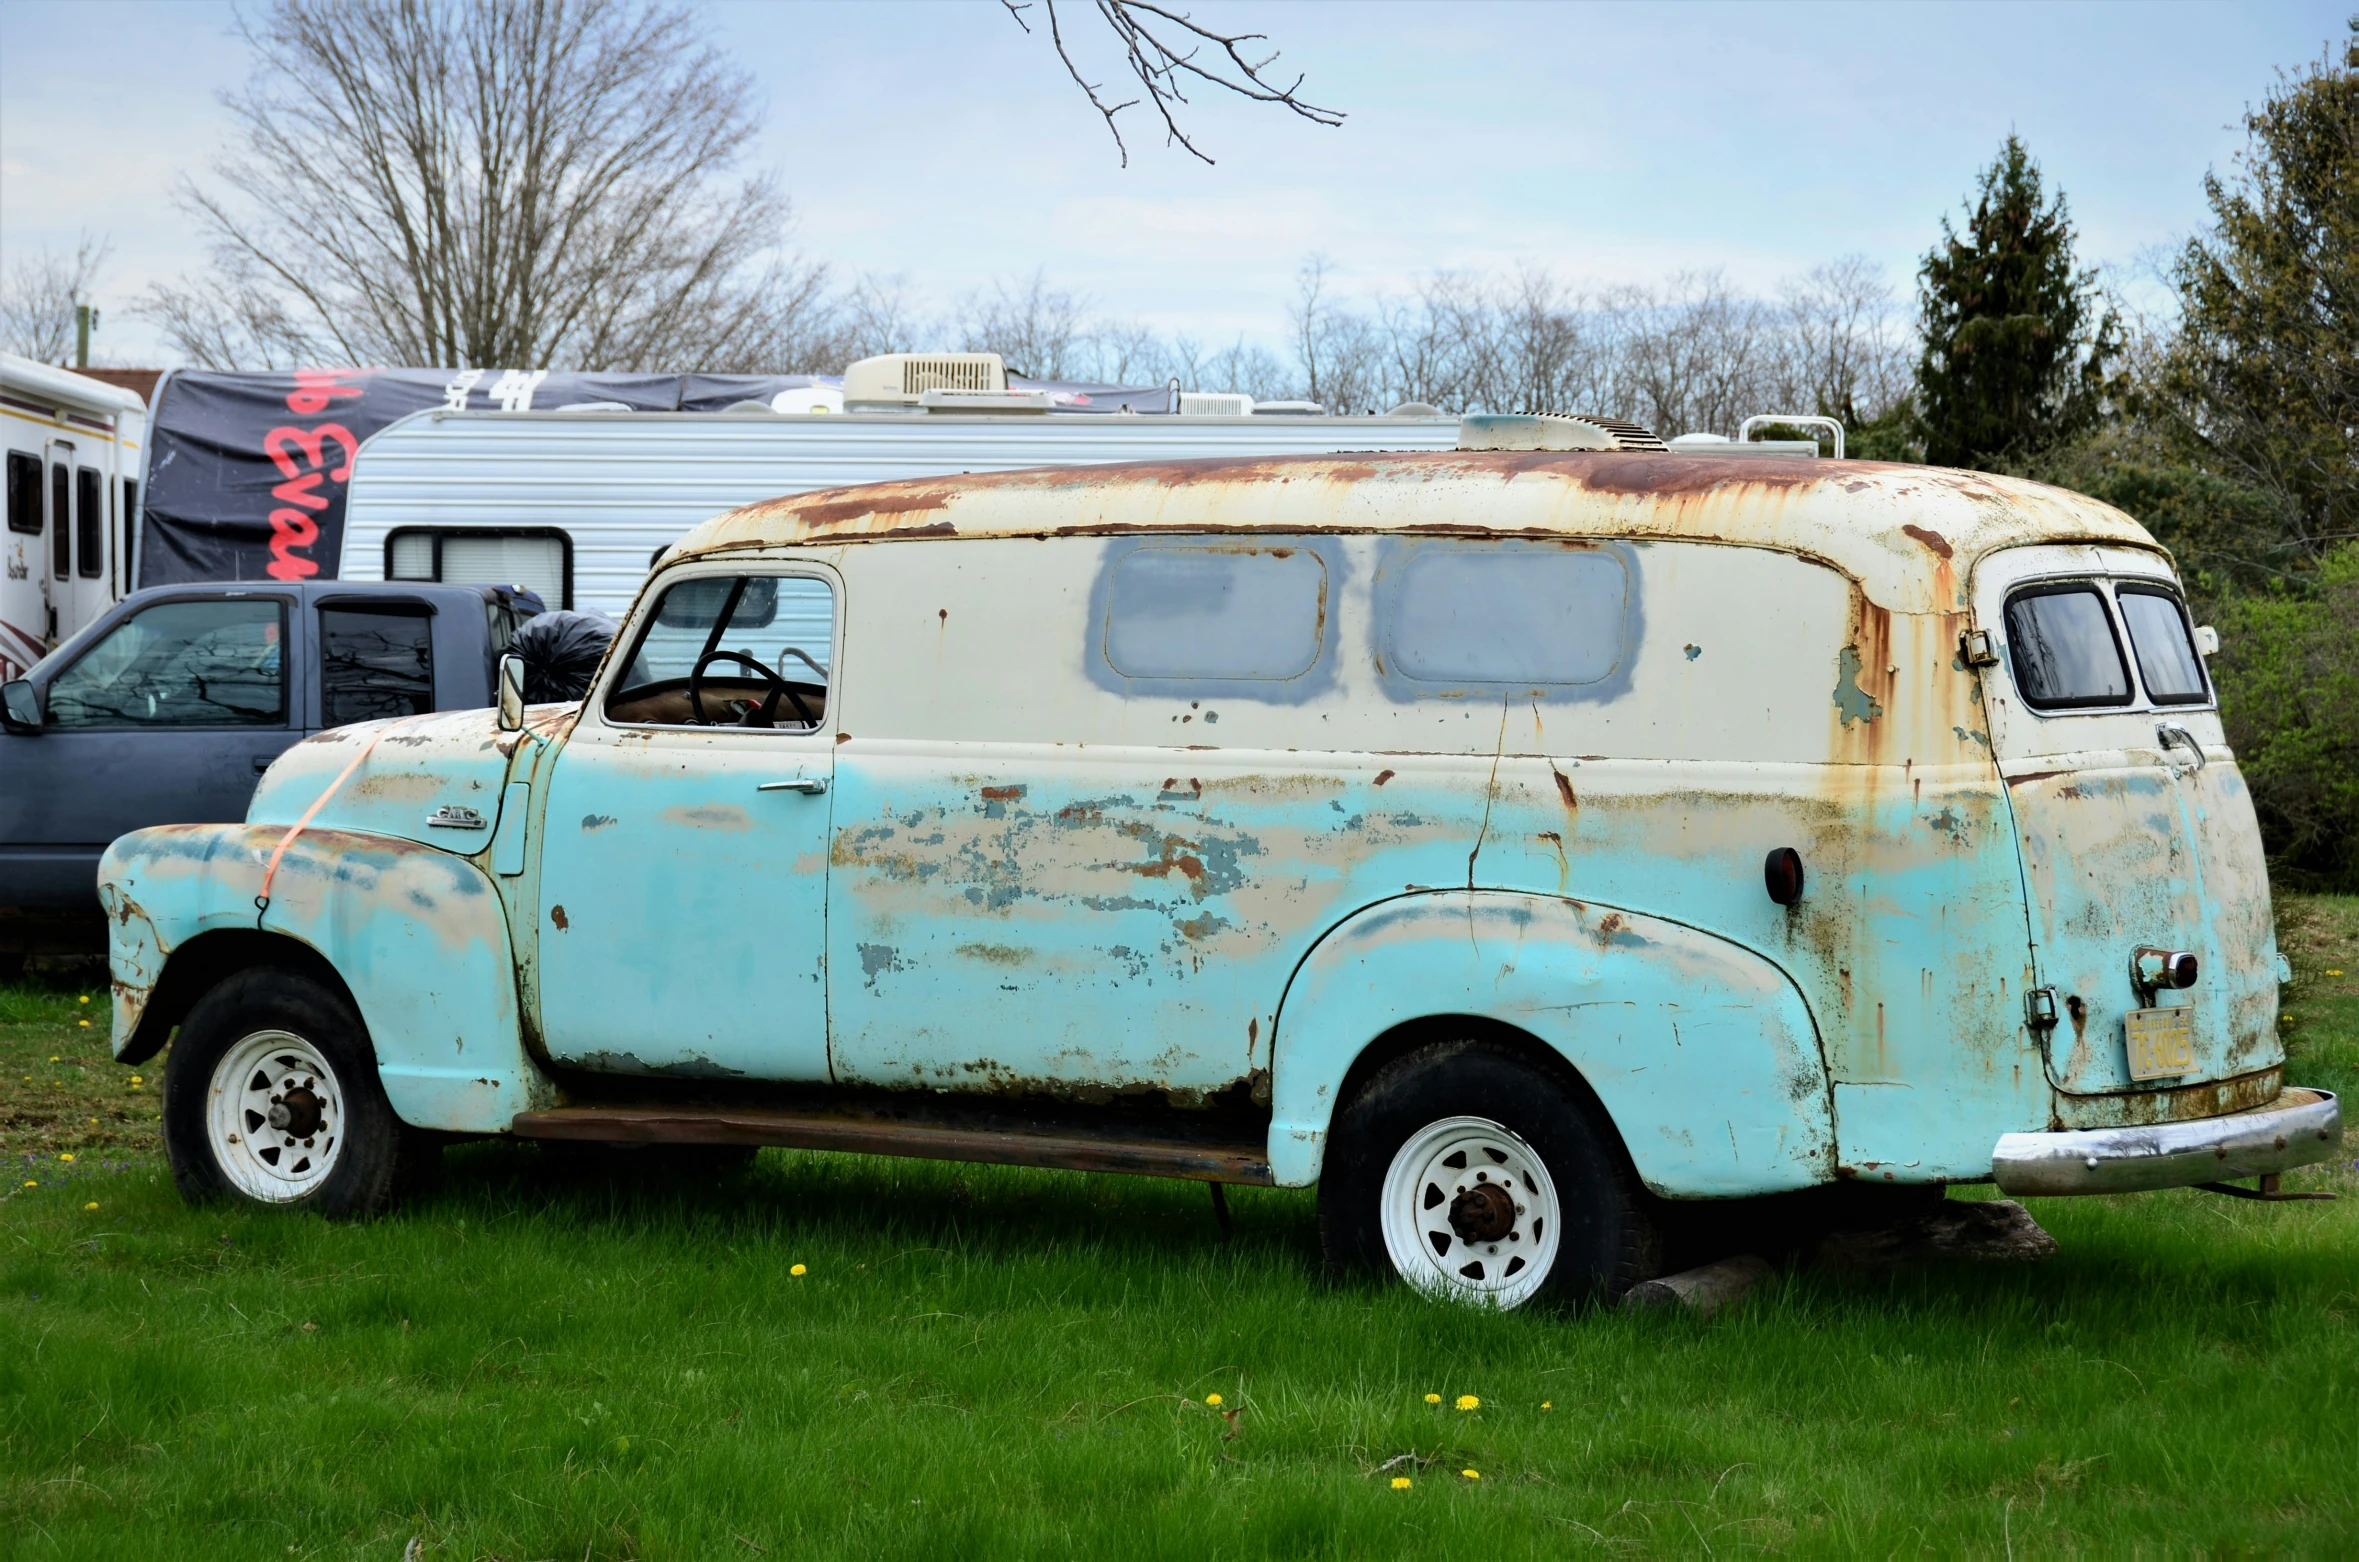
20 705
511 693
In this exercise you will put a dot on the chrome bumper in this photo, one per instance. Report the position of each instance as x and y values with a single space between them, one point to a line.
2298 1128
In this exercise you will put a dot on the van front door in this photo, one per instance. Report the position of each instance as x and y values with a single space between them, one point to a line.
2136 830
683 850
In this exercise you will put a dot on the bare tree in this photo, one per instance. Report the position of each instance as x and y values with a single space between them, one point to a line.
1166 52
1038 329
481 182
38 298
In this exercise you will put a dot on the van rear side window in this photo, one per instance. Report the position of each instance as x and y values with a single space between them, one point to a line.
2061 641
1521 617
2166 651
1216 613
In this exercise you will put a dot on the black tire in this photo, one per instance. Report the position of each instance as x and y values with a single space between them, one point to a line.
1607 1237
373 1158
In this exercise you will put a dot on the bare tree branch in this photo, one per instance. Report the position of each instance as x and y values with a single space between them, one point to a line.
1162 61
38 298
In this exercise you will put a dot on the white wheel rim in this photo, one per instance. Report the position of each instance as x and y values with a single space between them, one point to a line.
275 1116
1432 1202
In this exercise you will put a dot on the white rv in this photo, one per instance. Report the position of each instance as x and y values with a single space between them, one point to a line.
578 504
74 462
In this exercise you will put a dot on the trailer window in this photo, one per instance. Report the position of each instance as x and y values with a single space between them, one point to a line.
24 493
374 662
181 664
538 559
2060 639
89 523
1253 614
2173 673
61 530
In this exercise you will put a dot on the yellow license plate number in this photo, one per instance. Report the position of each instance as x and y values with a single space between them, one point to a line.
2161 1042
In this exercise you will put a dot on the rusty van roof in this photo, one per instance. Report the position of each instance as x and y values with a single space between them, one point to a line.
1908 534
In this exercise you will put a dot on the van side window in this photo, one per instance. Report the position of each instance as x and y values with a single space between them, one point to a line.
374 662
1216 613
2173 673
2060 639
732 651
24 493
1498 614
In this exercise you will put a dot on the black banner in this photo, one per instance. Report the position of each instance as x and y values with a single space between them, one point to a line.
247 473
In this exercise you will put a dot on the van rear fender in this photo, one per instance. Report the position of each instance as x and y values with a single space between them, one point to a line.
416 936
1701 1052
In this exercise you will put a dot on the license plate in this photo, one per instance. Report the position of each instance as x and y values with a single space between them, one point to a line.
2161 1041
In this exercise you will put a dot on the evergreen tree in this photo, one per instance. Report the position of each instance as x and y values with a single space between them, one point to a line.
2016 345
2261 386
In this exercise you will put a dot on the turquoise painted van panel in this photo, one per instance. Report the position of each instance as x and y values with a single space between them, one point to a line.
418 936
1701 1052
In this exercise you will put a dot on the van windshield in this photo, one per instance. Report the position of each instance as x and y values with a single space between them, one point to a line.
2061 641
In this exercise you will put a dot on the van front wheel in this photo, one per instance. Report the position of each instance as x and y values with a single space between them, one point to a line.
1475 1177
271 1097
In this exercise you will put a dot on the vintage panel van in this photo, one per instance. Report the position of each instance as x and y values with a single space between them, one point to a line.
1519 842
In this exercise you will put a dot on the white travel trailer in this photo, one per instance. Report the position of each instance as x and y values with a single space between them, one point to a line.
578 505
74 462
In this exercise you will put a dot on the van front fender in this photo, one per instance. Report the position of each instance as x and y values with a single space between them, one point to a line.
416 936
1701 1051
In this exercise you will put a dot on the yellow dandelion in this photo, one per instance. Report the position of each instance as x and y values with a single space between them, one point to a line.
93 1204
135 1084
139 1079
1400 1483
796 1270
30 1183
1212 1399
1547 1404
53 1059
1472 1475
85 997
66 1155
1469 1402
1433 1399
2334 973
85 1026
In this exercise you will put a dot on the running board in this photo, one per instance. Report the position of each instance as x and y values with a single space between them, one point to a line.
1066 1146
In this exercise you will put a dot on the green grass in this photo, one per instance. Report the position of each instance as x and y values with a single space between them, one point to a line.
544 1363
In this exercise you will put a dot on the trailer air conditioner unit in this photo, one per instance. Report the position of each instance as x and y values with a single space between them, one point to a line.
1215 404
897 382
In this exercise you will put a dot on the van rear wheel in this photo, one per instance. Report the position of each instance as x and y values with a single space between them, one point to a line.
271 1098
1474 1176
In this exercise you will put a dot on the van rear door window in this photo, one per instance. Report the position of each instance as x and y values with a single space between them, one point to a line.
1525 617
2061 641
2165 650
1251 614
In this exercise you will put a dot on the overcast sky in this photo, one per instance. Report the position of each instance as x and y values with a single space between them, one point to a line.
1608 143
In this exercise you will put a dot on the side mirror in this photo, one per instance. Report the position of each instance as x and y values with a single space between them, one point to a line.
2207 640
511 693
20 706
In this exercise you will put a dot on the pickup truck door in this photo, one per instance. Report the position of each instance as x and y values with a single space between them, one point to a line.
168 715
683 878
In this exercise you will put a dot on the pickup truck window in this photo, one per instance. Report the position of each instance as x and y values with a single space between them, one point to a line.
180 664
2061 641
732 651
1216 613
2166 651
374 662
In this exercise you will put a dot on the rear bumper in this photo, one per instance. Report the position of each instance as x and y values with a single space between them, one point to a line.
2299 1128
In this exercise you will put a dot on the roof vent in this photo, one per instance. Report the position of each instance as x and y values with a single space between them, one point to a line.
1552 431
900 379
1215 404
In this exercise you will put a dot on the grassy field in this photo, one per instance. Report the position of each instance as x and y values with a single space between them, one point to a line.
837 1356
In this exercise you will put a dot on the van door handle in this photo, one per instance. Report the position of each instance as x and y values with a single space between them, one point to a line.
263 762
2170 732
809 785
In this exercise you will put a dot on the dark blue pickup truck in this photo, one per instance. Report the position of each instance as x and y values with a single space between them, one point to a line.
168 709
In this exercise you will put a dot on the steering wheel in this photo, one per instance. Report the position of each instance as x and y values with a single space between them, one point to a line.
763 715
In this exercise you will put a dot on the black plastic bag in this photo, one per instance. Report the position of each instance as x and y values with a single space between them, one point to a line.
561 651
